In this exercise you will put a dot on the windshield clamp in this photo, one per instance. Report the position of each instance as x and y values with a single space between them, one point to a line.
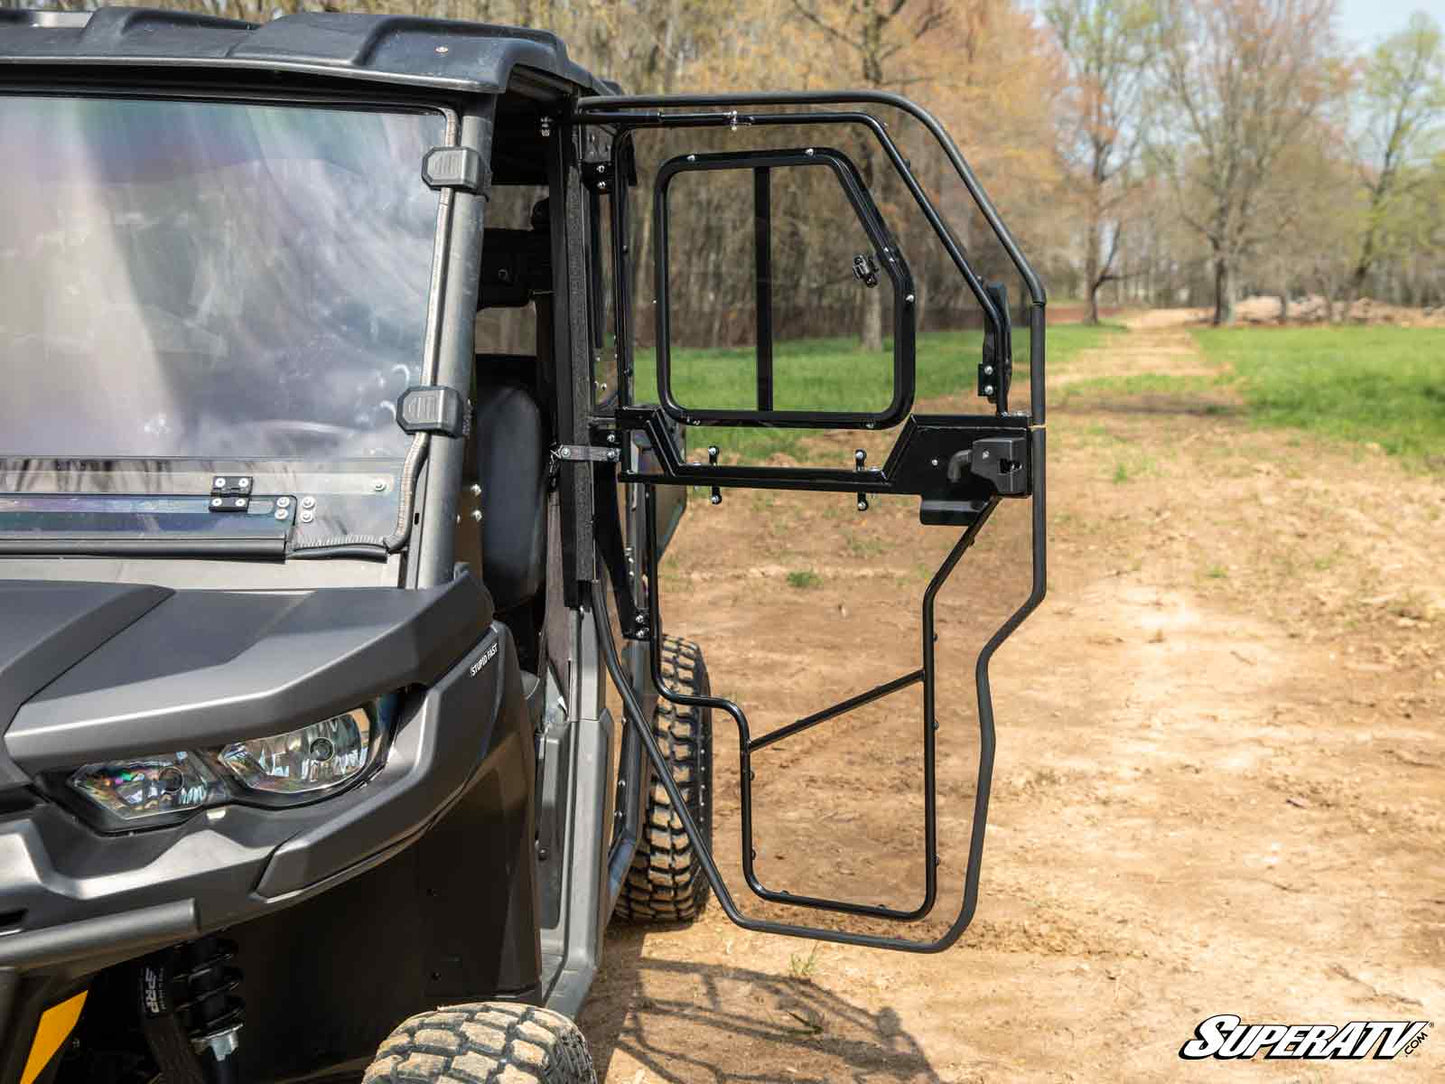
456 167
231 492
431 409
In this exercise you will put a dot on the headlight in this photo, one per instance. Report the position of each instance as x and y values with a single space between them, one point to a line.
306 761
298 766
149 786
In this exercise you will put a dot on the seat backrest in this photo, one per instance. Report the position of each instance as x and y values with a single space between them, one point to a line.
511 449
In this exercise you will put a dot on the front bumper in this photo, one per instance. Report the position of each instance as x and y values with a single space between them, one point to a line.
70 896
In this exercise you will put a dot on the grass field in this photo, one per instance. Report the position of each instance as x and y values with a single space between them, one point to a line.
1384 385
833 374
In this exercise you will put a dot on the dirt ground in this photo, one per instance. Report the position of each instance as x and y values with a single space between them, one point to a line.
1220 774
1312 309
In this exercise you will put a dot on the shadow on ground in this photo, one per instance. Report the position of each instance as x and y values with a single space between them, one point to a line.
687 1023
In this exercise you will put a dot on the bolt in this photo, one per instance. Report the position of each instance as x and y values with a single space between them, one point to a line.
308 502
541 854
809 152
934 462
988 370
862 504
218 483
476 515
602 186
985 455
379 485
601 167
281 513
283 502
476 489
908 298
565 452
716 498
988 389
243 483
307 515
215 502
611 437
692 158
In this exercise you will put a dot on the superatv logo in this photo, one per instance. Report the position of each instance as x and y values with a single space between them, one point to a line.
1227 1037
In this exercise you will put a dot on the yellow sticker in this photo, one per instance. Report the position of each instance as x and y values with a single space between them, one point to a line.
56 1023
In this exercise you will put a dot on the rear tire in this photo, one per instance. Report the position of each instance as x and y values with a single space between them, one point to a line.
666 882
480 1044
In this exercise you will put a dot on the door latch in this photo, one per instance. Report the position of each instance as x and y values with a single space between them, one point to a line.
999 460
865 267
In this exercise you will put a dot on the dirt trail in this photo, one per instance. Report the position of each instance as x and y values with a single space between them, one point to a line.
1220 779
1153 346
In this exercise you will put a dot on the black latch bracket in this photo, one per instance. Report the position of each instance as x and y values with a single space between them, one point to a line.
1003 461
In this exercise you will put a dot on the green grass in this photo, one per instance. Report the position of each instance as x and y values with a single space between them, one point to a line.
804 579
1384 385
834 374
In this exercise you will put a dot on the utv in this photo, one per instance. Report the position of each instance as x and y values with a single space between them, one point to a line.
311 592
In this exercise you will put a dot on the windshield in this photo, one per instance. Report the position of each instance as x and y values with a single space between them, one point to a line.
210 280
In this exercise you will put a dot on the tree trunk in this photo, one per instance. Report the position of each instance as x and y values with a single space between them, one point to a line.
1091 260
872 333
1224 290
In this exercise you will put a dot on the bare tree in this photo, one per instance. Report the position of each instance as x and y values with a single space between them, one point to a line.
1403 95
1107 46
874 32
1242 78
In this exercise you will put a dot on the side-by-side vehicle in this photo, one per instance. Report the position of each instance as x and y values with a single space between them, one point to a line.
314 586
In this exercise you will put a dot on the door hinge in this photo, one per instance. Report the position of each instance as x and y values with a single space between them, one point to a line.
585 453
597 175
231 493
996 370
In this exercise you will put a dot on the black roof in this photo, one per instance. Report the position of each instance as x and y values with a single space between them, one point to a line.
397 49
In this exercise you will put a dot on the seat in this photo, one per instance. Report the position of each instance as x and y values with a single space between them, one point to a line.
510 435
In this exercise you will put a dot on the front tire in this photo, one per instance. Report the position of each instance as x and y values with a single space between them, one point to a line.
480 1044
666 883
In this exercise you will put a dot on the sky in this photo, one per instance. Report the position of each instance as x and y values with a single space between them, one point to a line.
1364 22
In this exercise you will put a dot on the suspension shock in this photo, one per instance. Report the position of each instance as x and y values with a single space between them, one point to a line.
190 1011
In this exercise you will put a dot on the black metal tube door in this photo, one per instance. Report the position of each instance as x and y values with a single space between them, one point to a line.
980 474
